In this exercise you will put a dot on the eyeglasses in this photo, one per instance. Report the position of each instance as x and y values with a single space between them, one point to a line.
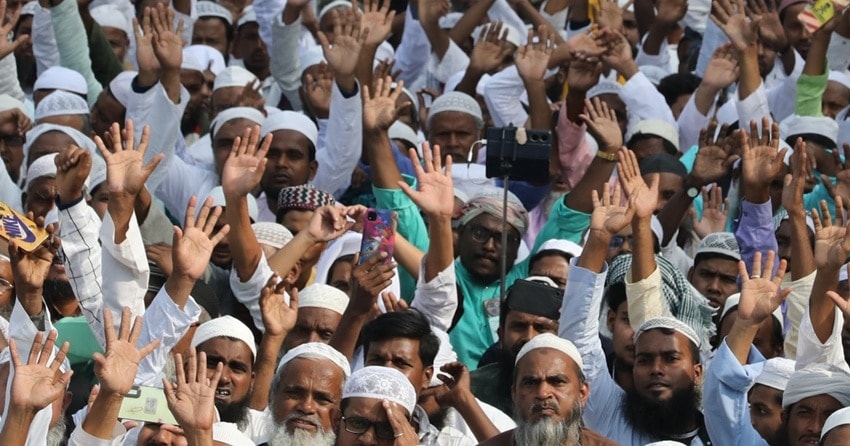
618 241
483 235
359 425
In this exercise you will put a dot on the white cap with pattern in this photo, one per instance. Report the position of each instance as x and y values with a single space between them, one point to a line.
669 323
457 102
319 295
61 103
381 383
721 243
272 234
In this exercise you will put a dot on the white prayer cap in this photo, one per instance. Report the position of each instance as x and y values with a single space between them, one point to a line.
347 244
224 326
320 295
842 77
61 78
248 16
720 243
565 246
665 443
458 102
208 58
29 8
336 4
732 304
549 340
217 194
213 9
381 383
461 195
317 350
655 127
669 323
97 174
384 51
272 234
604 86
313 55
45 166
776 372
61 103
230 114
513 35
121 87
653 73
109 16
817 379
838 418
449 20
290 120
229 433
79 138
404 132
234 76
819 129
191 62
445 355
7 103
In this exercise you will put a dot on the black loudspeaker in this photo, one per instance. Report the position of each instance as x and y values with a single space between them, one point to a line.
518 153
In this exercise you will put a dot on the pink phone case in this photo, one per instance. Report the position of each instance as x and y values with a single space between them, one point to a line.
378 235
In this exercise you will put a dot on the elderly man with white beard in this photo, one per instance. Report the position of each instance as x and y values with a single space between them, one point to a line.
549 391
305 396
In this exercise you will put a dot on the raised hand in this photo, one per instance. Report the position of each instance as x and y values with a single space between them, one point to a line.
348 41
160 255
402 429
368 280
608 215
329 222
794 185
38 382
73 165
715 212
832 242
431 11
491 49
671 11
193 245
392 303
532 60
722 70
144 43
714 158
384 69
278 316
192 398
318 91
609 14
583 74
379 107
246 163
435 194
167 42
760 293
30 269
117 369
602 123
642 198
618 52
125 170
8 46
842 174
456 385
376 21
761 160
729 16
771 31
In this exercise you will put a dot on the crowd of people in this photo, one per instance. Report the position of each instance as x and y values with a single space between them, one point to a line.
201 173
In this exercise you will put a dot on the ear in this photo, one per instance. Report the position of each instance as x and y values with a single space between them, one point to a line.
690 273
314 166
426 377
67 399
609 321
698 373
584 393
500 332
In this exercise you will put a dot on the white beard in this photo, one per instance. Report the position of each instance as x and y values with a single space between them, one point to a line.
56 434
282 437
549 432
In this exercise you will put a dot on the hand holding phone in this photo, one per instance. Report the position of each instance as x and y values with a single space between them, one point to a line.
378 235
16 226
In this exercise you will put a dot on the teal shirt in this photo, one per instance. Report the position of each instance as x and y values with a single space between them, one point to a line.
473 333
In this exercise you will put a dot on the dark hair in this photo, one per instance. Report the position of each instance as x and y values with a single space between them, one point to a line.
548 253
409 324
615 295
677 84
711 255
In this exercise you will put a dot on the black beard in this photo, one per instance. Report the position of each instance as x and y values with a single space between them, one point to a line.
234 412
661 418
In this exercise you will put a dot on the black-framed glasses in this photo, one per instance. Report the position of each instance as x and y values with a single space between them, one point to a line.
482 235
359 425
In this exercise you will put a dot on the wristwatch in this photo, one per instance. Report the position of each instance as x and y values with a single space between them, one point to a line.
692 192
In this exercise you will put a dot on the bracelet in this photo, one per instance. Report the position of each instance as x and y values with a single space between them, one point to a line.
607 156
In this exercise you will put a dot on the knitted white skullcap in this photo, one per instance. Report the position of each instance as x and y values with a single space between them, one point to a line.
79 138
838 418
668 323
109 16
217 194
320 295
45 166
61 78
549 340
655 127
290 120
313 55
336 4
565 246
381 383
234 76
456 101
229 433
513 35
722 243
604 86
842 77
121 87
61 103
272 234
404 132
7 103
207 57
776 372
213 9
224 326
795 126
316 350
233 113
248 16
817 379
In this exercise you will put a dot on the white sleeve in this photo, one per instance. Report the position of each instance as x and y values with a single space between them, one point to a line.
248 292
782 100
268 12
690 123
809 348
165 321
712 38
43 41
79 437
413 52
453 61
643 101
838 52
125 270
437 299
9 83
660 60
754 107
502 97
188 22
502 11
341 150
285 64
10 193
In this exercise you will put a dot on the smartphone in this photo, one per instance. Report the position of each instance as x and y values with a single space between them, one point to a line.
820 12
147 404
16 226
378 235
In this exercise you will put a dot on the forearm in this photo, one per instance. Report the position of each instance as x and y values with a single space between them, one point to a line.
364 70
178 287
120 208
470 80
264 370
539 113
199 437
438 38
801 247
644 15
750 77
16 427
593 255
469 21
103 413
643 254
531 14
594 179
170 80
657 35
344 339
816 58
385 173
578 11
821 307
244 245
440 251
704 97
408 256
479 423
142 205
671 215
287 257
740 338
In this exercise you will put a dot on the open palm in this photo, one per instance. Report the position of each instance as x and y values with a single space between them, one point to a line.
607 214
760 293
125 169
192 398
116 370
38 382
377 20
193 245
245 165
278 316
435 194
379 107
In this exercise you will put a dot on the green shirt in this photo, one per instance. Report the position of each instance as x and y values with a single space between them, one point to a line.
810 91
